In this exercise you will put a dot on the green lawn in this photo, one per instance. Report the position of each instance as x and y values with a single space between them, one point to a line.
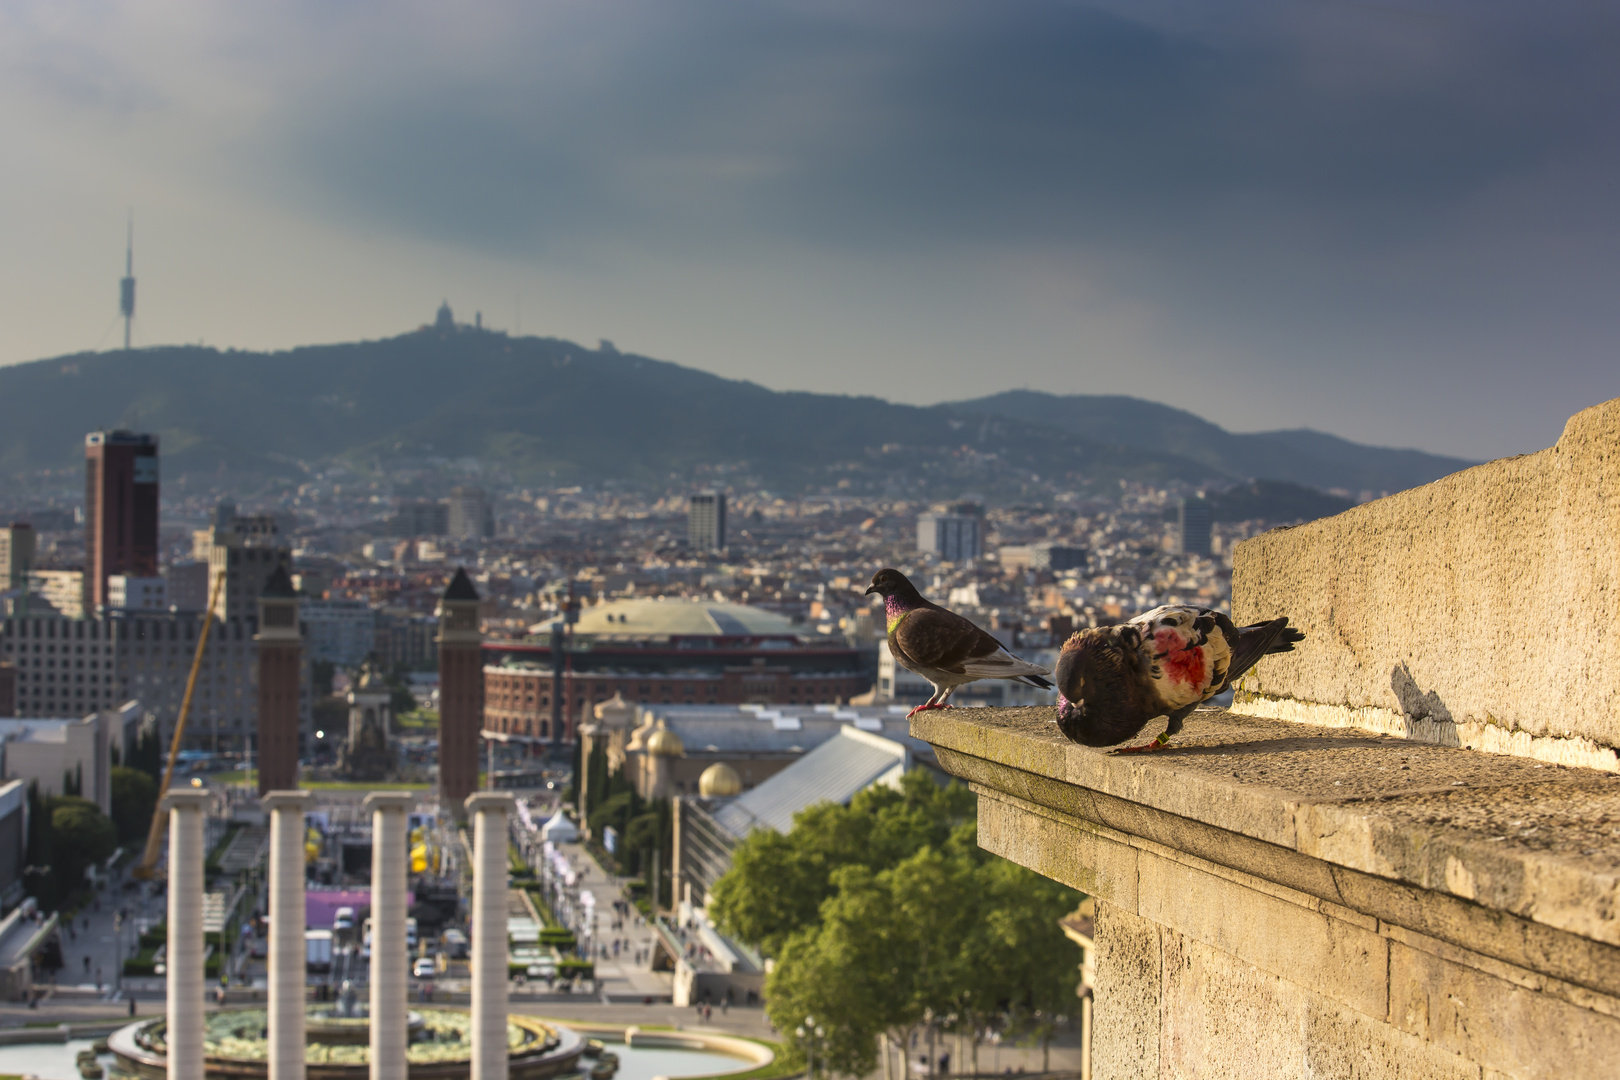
362 785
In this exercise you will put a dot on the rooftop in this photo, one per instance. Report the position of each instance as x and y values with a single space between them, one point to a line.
648 617
837 770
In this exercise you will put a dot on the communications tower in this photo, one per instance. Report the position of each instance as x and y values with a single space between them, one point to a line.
126 287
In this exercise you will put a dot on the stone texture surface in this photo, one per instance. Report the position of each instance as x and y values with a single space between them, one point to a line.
1373 803
1130 977
1501 1026
1473 611
1282 900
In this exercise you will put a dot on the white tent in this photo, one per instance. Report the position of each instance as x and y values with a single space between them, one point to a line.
559 830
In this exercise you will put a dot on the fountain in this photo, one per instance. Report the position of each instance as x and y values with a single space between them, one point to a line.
236 1045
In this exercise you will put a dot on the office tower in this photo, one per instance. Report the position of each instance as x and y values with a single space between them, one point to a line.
8 688
461 691
953 537
187 585
125 592
246 550
17 546
280 648
120 510
706 521
1193 522
469 514
420 518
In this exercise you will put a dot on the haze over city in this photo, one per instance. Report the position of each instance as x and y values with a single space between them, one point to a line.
1390 222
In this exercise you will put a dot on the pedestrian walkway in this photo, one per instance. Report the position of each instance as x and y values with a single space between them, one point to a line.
242 853
625 973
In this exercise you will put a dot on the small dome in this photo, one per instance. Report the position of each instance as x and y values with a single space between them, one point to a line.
719 781
665 743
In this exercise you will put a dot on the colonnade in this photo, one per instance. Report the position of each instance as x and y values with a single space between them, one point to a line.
489 812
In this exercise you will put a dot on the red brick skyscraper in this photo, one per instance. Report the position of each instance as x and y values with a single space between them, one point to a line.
461 692
281 660
120 510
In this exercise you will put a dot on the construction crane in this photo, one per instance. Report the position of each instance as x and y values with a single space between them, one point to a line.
147 869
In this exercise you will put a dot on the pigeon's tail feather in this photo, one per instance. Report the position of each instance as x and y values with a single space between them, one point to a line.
1261 639
1035 681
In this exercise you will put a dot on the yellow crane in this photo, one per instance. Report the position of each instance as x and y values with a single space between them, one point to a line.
147 868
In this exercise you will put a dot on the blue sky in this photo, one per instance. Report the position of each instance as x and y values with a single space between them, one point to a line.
1393 221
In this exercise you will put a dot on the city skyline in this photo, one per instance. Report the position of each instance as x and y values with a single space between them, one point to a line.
1390 223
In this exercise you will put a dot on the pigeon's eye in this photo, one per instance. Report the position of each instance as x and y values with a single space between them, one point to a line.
1168 620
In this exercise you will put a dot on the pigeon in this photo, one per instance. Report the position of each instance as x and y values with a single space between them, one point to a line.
1113 679
942 646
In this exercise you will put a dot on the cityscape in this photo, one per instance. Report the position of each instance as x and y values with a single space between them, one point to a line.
675 541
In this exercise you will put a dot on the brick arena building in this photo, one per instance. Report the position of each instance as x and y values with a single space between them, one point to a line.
667 652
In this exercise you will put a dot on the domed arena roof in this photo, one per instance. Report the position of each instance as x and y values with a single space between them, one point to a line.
719 781
647 617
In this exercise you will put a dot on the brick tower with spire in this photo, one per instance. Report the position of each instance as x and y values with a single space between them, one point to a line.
461 691
281 660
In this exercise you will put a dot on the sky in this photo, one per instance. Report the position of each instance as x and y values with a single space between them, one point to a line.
1396 222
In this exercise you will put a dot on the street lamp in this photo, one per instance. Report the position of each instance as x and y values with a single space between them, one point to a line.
118 953
809 1034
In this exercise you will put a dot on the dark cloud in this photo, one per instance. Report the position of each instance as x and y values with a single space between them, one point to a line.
1394 220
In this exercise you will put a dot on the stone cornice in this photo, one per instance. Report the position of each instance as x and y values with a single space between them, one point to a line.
1507 857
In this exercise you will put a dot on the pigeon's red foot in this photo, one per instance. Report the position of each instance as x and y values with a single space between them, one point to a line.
926 708
1147 748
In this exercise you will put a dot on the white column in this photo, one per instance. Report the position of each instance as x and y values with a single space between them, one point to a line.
184 947
489 810
287 950
390 962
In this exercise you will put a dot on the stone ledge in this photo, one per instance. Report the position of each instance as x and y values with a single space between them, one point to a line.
1512 858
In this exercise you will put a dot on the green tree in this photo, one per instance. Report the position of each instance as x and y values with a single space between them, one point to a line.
886 915
777 883
134 799
81 835
147 754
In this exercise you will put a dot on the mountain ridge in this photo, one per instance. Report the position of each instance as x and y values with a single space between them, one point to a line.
549 409
1297 455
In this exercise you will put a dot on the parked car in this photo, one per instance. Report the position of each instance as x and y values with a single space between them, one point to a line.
423 969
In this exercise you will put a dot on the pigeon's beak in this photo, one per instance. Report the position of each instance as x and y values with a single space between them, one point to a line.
870 589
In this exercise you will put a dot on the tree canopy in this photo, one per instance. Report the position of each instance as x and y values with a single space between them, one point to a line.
885 914
134 798
80 835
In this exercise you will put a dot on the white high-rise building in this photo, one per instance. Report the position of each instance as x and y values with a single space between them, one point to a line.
952 537
706 521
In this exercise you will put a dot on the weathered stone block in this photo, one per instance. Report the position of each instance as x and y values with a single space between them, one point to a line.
1081 858
1130 978
1225 1019
1423 917
1338 959
1497 1023
1470 611
1342 1044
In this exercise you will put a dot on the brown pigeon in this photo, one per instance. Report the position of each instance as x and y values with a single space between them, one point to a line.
942 646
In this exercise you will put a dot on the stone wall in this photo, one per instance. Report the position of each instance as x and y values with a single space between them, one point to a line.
1283 900
1482 610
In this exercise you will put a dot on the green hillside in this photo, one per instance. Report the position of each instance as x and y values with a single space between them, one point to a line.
546 410
1301 457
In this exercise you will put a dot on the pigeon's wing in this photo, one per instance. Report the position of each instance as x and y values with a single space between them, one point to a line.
1002 664
1250 643
943 640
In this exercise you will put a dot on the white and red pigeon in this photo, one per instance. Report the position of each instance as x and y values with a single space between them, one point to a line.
942 646
1112 680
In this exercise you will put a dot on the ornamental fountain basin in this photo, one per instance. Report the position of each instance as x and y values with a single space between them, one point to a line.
236 1045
